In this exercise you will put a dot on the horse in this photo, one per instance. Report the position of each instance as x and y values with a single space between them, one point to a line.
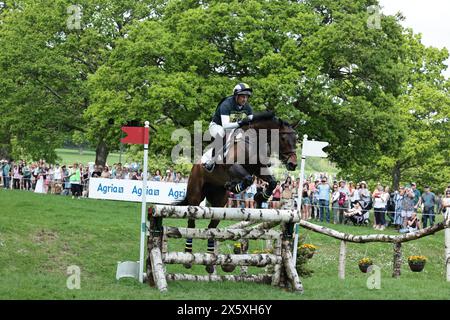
236 176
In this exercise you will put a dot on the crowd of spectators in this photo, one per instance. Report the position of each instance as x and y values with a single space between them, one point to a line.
73 179
340 200
335 202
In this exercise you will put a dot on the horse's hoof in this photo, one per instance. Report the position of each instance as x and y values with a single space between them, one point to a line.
187 265
228 267
209 268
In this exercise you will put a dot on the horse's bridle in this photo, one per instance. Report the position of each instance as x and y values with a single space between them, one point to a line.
287 155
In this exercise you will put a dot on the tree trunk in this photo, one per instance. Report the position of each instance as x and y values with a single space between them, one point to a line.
101 153
396 175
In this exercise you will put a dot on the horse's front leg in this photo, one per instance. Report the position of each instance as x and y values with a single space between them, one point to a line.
264 196
245 179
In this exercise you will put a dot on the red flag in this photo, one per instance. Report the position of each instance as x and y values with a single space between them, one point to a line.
136 135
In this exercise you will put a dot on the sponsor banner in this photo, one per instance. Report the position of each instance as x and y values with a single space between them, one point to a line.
131 190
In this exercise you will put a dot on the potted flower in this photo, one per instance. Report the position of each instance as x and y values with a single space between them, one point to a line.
236 250
307 250
417 263
364 264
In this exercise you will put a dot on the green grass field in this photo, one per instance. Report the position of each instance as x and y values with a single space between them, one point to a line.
69 156
42 235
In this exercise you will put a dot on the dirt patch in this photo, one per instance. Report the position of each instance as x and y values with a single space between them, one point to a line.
45 236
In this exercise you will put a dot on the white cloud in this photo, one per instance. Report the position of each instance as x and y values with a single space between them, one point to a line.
431 18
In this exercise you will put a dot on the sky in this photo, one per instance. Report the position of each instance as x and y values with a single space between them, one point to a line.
431 18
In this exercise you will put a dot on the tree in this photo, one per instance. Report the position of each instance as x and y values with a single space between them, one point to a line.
49 49
310 61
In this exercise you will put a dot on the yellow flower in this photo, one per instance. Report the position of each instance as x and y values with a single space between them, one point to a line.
417 259
365 261
309 247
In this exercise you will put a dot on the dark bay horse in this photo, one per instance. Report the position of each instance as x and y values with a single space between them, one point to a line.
248 158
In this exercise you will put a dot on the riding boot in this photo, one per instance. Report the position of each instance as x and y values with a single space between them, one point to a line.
188 249
208 162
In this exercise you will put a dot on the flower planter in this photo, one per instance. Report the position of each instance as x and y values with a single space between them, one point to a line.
364 267
228 267
417 266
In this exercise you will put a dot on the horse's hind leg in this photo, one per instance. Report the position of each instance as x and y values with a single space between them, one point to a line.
195 196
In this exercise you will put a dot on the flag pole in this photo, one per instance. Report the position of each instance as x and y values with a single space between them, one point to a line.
299 201
143 208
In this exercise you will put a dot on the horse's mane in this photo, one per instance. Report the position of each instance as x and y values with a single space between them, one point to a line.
268 115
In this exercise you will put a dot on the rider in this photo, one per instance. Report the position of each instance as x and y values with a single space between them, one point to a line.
232 112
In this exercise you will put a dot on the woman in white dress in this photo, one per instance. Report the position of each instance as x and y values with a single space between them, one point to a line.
40 184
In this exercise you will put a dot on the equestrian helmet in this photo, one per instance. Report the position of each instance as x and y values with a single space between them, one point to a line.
242 89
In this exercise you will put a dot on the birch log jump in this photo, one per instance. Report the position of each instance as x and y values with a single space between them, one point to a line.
256 260
255 224
197 212
221 234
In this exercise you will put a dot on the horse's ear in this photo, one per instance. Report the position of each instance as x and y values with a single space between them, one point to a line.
295 125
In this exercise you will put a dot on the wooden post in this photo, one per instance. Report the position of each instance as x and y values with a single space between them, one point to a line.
276 277
342 253
397 259
447 252
291 272
154 241
159 272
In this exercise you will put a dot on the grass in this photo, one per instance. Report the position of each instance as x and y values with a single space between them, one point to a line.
42 235
69 156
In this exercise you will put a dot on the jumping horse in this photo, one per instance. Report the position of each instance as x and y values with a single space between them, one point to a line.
238 175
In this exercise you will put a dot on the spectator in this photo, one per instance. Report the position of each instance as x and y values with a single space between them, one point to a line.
276 196
6 168
412 223
26 171
306 202
57 174
334 203
324 199
356 210
416 195
354 196
286 195
260 188
65 179
105 174
315 210
249 194
75 181
398 200
40 183
428 200
407 205
97 173
343 202
157 176
178 177
379 206
16 177
365 198
169 176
